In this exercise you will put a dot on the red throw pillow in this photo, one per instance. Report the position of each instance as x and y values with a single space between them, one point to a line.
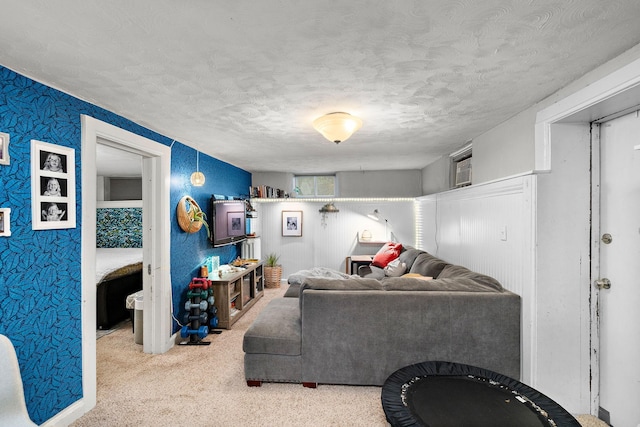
386 254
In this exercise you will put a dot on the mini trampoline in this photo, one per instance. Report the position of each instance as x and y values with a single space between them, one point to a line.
442 394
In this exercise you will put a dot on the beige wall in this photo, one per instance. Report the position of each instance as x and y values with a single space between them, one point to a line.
394 183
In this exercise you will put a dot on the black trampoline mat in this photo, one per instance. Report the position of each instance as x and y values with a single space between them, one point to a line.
449 394
469 401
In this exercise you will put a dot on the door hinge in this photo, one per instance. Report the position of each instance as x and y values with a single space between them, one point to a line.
603 283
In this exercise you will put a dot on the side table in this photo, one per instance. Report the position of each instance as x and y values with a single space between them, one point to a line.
357 261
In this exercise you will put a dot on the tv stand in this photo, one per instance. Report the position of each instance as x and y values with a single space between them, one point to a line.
236 292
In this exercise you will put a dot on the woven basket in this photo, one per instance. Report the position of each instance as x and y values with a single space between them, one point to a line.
272 276
185 212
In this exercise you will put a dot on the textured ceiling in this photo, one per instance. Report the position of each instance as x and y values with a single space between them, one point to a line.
243 80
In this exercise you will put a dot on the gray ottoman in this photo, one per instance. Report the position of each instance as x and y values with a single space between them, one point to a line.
273 343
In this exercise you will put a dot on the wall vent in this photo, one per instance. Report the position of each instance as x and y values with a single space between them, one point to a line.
463 172
460 166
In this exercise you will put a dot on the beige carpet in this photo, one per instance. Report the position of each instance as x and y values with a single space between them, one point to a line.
204 385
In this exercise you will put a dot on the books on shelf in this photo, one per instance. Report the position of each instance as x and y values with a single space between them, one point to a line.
266 191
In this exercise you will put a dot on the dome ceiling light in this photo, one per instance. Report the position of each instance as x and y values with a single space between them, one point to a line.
337 127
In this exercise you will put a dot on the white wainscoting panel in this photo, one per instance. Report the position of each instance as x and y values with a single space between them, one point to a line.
490 229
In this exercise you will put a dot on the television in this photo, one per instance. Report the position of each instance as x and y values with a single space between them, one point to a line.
227 222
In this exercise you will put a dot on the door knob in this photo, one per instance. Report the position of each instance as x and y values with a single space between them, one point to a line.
603 283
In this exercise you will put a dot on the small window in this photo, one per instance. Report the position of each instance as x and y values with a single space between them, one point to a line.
315 185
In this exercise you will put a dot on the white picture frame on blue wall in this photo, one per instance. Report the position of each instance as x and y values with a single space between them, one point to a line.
4 149
5 222
53 186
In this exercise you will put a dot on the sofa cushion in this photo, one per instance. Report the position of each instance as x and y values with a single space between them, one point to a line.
293 291
276 330
428 265
409 255
298 277
354 284
460 272
386 254
460 284
371 272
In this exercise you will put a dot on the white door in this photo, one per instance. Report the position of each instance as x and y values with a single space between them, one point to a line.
619 306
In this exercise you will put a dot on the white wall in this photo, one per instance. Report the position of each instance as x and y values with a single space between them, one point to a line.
328 244
508 149
562 287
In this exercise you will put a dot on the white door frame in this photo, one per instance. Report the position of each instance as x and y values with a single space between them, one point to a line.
157 239
594 332
607 96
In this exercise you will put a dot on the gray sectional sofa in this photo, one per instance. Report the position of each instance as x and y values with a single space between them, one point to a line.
359 330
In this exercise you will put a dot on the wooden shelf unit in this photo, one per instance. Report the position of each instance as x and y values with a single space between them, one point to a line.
236 292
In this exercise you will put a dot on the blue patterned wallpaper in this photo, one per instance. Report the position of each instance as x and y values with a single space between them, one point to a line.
119 228
189 251
40 271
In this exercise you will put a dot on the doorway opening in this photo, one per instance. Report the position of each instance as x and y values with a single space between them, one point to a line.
118 239
156 172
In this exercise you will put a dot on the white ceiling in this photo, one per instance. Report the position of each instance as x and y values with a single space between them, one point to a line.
243 80
113 162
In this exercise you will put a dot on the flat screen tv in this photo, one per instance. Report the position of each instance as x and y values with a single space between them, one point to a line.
227 222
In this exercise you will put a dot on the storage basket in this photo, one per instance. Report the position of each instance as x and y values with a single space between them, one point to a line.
272 276
185 212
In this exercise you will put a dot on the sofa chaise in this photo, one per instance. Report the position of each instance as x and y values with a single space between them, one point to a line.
359 330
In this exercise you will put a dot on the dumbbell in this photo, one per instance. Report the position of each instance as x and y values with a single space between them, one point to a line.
211 300
213 322
201 294
213 310
202 305
201 332
202 318
198 282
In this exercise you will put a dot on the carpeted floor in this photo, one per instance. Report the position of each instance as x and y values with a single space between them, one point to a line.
104 332
204 385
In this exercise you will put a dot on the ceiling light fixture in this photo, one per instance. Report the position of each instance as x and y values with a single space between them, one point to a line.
197 178
337 127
